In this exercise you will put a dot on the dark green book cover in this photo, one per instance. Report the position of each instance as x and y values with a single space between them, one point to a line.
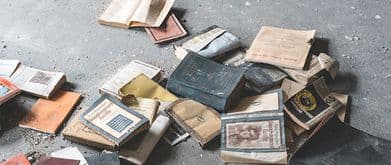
207 82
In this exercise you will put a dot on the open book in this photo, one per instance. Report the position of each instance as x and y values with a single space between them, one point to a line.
38 82
7 90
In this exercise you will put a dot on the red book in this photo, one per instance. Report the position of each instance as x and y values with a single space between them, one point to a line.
7 90
170 29
17 160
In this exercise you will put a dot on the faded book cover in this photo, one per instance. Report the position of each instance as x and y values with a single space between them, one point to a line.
308 106
16 160
170 29
114 120
78 132
127 74
207 82
57 161
38 82
202 122
253 138
48 115
262 77
7 90
281 47
146 107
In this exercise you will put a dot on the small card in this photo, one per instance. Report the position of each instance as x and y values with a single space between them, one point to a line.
171 29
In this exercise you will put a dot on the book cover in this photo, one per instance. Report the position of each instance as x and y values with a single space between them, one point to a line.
48 115
262 77
202 122
281 47
170 29
207 82
7 90
70 153
16 160
57 161
104 159
8 67
114 120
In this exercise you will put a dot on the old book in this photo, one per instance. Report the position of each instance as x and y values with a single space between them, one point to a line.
104 159
175 134
322 65
281 47
290 88
7 90
207 82
139 149
8 67
16 160
38 82
338 143
136 13
76 131
261 77
308 106
70 153
128 73
170 29
114 120
146 107
48 115
254 138
210 43
57 161
202 122
253 131
144 87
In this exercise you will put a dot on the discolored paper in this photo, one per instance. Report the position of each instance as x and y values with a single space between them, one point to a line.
8 67
146 107
281 47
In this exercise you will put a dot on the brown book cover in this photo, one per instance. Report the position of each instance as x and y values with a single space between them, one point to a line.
48 115
281 47
16 160
170 29
57 161
7 90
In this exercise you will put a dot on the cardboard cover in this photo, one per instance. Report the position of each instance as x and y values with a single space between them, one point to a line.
202 122
170 29
48 115
281 47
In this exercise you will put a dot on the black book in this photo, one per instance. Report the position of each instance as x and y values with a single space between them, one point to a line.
104 159
207 82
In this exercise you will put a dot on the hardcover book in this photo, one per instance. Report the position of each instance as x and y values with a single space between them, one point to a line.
76 131
38 82
127 74
207 82
104 159
322 65
48 115
308 106
114 120
136 13
254 132
262 77
281 47
7 90
144 87
211 43
202 122
170 29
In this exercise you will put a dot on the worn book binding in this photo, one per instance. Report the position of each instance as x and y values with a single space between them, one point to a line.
70 153
202 122
308 106
143 87
206 81
128 73
138 150
48 115
104 159
38 82
322 65
146 107
7 90
8 67
253 132
114 120
136 13
211 43
78 132
171 29
281 47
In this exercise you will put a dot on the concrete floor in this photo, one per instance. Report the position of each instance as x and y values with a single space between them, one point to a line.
65 36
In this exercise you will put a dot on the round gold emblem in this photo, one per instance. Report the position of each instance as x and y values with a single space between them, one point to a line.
305 100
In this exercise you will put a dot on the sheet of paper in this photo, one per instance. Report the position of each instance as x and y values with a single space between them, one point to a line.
281 47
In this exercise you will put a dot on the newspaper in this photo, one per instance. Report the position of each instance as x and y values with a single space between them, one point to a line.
281 47
128 73
138 150
38 82
136 13
8 67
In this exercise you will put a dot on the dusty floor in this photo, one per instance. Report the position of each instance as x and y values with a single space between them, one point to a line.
65 36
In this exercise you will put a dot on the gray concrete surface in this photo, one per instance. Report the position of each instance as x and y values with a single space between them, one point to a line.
65 36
